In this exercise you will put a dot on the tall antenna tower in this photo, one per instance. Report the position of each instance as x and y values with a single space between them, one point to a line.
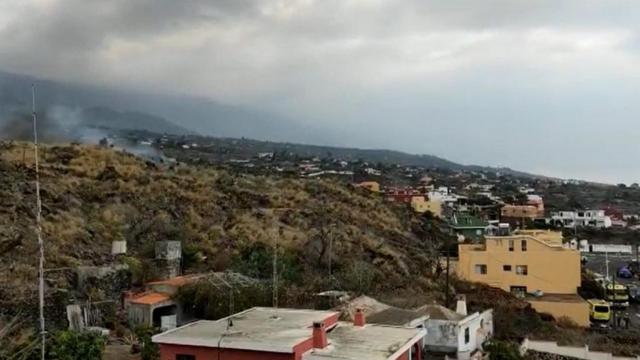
38 223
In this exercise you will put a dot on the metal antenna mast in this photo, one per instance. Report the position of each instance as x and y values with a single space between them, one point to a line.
38 223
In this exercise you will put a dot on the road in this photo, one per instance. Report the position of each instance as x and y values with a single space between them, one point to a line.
597 263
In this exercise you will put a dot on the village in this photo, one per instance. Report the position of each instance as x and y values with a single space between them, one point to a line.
506 240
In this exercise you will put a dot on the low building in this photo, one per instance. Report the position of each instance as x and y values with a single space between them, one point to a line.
455 333
532 264
372 186
468 227
586 218
155 306
401 194
420 205
269 333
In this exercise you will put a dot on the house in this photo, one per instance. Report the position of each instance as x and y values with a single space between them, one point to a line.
468 227
155 307
443 194
401 195
533 264
420 205
271 333
455 333
588 218
517 215
372 186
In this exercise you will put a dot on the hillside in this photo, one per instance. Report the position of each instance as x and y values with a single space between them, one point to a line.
92 196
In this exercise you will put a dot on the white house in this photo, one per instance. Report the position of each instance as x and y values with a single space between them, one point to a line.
456 333
588 218
443 195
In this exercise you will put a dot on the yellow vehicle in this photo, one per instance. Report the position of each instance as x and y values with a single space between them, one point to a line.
618 296
599 310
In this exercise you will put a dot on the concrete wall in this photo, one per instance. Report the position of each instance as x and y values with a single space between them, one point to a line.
449 336
552 269
169 352
551 347
576 311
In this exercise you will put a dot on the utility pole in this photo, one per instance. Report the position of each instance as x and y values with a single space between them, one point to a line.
275 272
38 225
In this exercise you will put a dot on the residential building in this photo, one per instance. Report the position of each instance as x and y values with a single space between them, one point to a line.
372 186
538 202
155 307
443 195
403 195
455 333
529 262
420 205
275 334
513 214
468 227
588 218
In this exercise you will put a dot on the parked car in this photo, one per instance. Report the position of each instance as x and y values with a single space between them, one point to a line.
625 272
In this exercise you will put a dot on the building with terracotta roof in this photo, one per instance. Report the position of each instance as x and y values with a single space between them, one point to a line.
269 333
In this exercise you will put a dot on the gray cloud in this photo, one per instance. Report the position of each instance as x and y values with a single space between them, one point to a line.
475 81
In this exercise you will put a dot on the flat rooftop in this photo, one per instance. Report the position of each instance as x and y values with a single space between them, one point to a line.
371 342
257 329
560 298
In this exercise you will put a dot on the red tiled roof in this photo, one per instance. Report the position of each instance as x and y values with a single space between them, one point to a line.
150 298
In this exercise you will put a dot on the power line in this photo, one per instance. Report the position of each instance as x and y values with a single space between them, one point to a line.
38 223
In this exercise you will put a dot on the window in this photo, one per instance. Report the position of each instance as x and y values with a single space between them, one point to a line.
467 335
506 267
523 245
481 269
522 269
511 245
185 357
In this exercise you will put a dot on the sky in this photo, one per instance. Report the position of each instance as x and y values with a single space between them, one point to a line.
544 86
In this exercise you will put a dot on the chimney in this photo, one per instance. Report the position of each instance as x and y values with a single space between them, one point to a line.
358 318
461 305
319 336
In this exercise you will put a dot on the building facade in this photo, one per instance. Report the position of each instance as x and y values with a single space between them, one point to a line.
529 262
586 218
290 334
420 205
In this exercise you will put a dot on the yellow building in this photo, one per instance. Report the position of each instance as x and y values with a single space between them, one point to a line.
420 205
372 186
529 262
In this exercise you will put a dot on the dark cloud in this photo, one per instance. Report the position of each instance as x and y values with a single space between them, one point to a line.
441 66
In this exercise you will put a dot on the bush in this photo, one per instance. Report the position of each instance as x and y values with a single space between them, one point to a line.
72 345
148 349
502 350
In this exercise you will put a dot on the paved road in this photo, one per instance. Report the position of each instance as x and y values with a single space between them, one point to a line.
597 263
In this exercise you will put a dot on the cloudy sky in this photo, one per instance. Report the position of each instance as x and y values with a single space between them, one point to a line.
546 86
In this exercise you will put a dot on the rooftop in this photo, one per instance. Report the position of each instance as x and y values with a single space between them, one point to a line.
439 312
561 298
150 298
371 342
395 316
257 329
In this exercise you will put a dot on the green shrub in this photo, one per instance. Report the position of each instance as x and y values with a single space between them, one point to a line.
72 345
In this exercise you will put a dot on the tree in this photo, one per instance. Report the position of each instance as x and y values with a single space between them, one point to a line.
76 345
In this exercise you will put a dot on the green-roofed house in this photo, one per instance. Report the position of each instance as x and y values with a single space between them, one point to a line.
471 227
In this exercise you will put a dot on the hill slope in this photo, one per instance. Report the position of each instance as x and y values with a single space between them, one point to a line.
93 196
